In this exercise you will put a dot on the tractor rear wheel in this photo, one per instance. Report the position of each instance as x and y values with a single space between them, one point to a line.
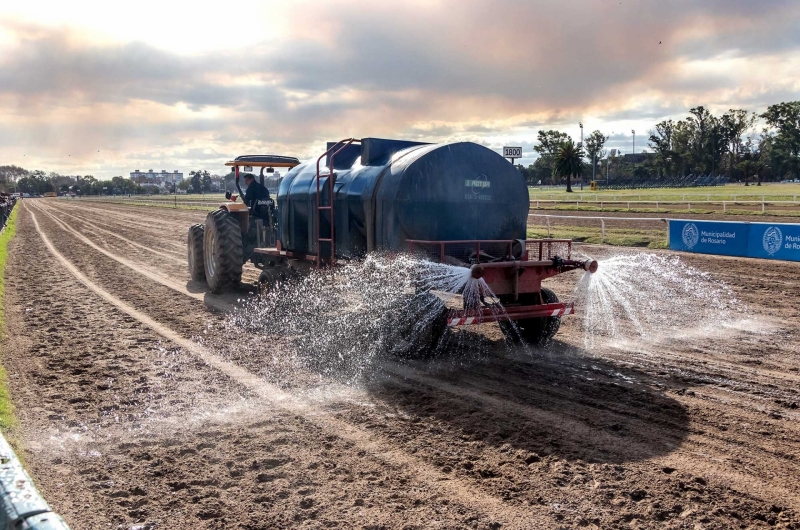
222 251
197 269
536 331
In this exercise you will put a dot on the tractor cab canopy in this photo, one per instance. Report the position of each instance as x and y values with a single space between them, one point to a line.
248 162
266 164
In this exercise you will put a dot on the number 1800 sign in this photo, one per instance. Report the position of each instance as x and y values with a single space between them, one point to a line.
512 152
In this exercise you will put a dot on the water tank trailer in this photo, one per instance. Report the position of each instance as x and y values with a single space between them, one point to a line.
457 203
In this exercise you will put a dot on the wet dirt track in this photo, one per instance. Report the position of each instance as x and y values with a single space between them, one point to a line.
124 423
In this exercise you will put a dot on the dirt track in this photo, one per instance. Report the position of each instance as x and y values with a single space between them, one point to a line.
127 422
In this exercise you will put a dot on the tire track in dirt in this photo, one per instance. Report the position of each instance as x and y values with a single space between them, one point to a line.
377 448
125 239
155 229
397 370
638 427
157 238
700 453
138 268
487 401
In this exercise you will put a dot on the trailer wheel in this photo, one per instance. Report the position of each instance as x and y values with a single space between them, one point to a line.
536 331
197 269
222 251
415 326
271 276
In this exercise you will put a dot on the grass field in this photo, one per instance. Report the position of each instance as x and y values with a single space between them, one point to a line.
6 408
770 191
671 210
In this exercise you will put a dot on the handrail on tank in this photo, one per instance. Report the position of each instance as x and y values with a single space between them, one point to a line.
478 242
331 176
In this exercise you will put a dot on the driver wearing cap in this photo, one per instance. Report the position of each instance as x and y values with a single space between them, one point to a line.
256 197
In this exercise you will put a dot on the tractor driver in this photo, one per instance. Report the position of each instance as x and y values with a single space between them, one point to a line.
256 197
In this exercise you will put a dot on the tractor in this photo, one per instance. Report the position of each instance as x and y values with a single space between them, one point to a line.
456 203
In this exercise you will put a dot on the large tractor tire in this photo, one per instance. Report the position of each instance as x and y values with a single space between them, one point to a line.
414 328
197 267
536 331
222 251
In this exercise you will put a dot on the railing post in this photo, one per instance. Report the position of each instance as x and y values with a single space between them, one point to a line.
602 231
724 207
688 206
548 225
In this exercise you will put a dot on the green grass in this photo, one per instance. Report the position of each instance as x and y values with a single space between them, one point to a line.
674 211
7 418
621 237
771 191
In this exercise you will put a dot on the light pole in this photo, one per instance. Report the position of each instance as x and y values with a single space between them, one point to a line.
580 124
634 141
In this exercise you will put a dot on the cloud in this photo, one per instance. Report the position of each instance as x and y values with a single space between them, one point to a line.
424 70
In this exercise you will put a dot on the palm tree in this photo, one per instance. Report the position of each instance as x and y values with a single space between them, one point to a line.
569 162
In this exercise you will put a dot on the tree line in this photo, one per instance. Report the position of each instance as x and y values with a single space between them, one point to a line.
732 144
17 179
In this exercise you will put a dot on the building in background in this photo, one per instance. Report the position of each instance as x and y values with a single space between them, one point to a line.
162 180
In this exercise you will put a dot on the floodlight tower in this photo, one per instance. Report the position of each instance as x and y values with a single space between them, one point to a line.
580 124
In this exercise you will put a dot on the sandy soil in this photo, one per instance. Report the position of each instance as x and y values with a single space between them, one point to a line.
127 420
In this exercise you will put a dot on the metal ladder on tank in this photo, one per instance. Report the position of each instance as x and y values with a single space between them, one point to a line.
333 151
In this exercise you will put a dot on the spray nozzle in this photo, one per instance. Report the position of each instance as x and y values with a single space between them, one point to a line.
590 265
477 271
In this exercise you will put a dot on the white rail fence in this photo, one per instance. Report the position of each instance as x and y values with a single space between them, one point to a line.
602 220
690 197
147 201
611 201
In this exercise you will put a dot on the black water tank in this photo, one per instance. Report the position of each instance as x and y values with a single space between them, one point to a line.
398 190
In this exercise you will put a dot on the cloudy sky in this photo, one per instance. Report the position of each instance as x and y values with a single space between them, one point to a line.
104 88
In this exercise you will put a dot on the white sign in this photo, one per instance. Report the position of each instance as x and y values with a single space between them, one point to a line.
247 169
512 152
772 240
690 235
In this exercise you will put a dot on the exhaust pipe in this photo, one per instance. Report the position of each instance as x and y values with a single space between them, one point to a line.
590 265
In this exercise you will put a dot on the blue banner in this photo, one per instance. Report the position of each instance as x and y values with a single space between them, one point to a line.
709 237
774 241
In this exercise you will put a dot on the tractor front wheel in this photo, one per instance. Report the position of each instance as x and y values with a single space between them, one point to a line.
222 251
197 269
